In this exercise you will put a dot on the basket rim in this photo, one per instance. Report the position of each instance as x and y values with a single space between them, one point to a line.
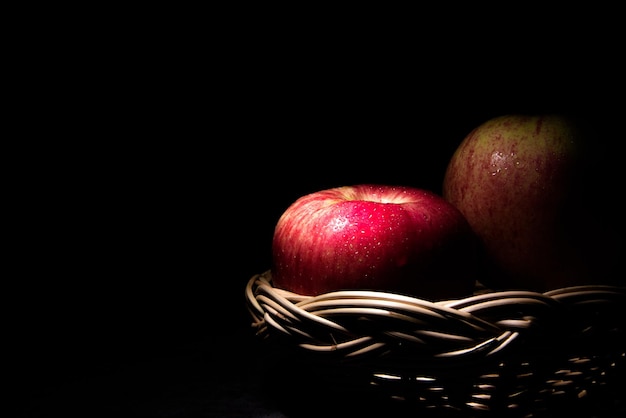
482 324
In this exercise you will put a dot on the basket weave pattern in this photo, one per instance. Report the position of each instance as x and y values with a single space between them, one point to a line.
490 352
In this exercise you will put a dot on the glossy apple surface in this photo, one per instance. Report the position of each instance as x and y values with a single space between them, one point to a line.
375 237
523 184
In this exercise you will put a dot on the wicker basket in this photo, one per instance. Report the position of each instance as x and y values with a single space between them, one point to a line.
505 353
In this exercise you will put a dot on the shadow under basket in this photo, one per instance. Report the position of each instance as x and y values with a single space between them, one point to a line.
495 353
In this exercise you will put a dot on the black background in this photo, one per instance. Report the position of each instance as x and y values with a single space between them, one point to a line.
164 162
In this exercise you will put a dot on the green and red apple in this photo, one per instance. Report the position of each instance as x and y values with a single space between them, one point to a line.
523 182
375 237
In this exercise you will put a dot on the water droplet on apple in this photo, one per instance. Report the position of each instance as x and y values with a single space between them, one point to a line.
496 158
338 223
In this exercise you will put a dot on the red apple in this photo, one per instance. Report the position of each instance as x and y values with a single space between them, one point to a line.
374 237
523 182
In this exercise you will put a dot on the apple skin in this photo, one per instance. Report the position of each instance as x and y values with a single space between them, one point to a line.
374 237
524 184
